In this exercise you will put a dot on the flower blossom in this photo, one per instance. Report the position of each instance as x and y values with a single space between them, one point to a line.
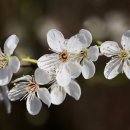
65 53
87 56
58 92
120 61
28 87
8 64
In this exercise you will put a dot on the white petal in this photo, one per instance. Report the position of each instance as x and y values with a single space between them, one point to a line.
74 45
113 68
63 76
10 44
5 76
125 41
42 77
110 48
93 53
33 104
57 94
23 78
55 40
17 92
48 62
77 42
75 69
45 96
14 64
85 37
73 89
126 68
88 69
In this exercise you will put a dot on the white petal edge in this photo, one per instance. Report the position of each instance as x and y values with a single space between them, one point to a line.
126 68
73 89
55 40
44 95
33 104
14 64
113 68
5 76
17 92
125 40
93 53
79 41
74 45
42 77
10 44
75 69
58 94
86 37
23 78
109 48
63 75
88 69
48 61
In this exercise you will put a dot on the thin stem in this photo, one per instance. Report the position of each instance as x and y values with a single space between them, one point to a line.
28 59
4 90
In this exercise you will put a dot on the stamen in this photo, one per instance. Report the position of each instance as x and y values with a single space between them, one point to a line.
3 60
64 56
123 55
24 97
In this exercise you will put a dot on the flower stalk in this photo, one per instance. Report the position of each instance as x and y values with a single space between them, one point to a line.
30 60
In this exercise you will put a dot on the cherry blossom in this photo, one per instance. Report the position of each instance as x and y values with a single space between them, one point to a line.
28 87
120 61
8 64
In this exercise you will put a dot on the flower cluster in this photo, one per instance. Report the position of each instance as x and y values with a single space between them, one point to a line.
69 59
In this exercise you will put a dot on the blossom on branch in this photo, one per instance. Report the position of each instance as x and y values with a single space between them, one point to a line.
8 64
28 87
120 61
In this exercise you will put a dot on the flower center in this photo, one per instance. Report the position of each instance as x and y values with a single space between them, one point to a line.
64 56
84 52
3 60
32 86
123 55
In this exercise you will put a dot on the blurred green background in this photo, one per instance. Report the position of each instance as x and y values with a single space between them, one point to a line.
104 104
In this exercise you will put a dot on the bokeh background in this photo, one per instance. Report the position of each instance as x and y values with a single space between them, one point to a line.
104 104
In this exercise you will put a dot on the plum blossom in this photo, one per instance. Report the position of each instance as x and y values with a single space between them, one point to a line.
120 61
28 87
65 53
8 64
87 56
58 92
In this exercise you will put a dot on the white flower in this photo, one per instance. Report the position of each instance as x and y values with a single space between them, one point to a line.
8 64
58 93
28 87
120 61
65 53
87 56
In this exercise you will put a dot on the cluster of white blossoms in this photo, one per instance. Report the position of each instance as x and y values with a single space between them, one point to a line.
69 59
